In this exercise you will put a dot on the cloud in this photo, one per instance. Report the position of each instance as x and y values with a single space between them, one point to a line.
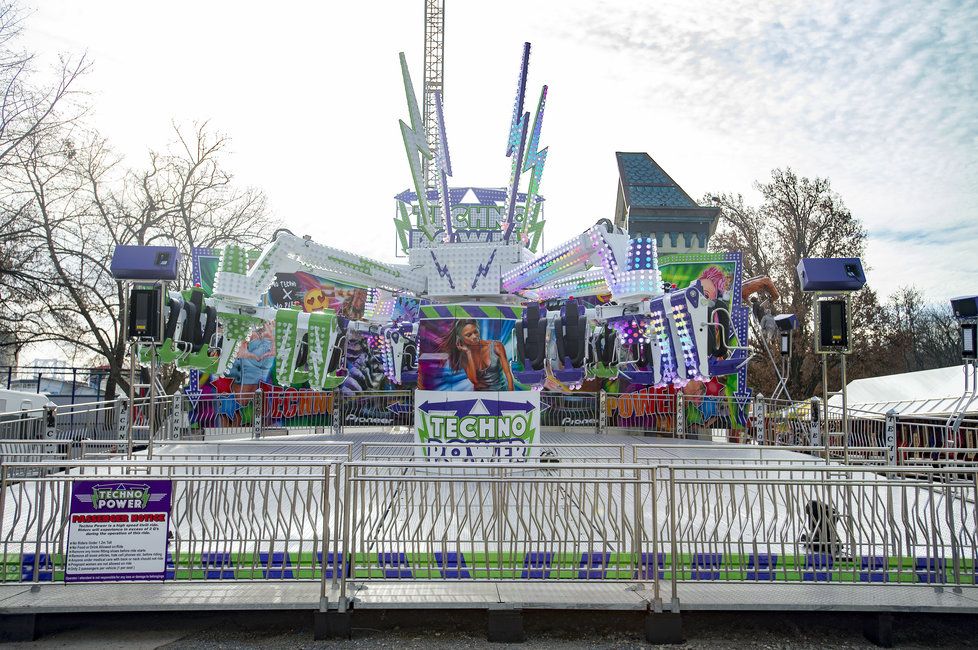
878 96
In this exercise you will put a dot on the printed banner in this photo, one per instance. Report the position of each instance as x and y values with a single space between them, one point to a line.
466 354
117 530
459 426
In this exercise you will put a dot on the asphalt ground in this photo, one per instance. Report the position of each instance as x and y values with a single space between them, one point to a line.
459 628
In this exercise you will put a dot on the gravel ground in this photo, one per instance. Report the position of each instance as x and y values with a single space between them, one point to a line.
409 631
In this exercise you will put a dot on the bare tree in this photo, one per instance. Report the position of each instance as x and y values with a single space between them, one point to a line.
798 217
84 203
923 336
27 112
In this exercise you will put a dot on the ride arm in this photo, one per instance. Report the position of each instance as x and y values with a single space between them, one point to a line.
237 283
758 283
596 247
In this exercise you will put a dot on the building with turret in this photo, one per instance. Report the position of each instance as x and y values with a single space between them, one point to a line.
650 203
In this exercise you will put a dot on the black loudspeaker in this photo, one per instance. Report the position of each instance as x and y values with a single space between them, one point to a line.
965 307
145 306
969 341
833 326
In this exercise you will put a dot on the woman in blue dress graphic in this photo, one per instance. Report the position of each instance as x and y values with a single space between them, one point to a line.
253 364
485 362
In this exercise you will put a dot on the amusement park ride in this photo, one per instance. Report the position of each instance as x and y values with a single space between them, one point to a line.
494 320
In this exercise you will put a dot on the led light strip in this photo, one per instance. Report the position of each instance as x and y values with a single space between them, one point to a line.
684 328
660 332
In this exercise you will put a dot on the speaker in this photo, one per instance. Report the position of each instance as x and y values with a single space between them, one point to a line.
145 263
831 274
833 326
145 313
786 322
969 341
965 307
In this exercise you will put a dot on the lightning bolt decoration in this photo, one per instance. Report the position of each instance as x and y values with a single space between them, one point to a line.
442 270
402 224
443 162
516 143
483 269
535 161
416 147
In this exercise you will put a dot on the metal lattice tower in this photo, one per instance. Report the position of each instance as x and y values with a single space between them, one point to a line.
434 78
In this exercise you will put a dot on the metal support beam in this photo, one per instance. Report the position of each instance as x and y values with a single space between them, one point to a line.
505 624
878 629
18 627
332 624
434 79
664 628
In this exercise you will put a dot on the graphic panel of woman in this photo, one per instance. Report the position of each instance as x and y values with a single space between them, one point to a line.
714 282
484 362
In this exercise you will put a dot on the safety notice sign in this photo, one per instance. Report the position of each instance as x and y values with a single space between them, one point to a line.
117 530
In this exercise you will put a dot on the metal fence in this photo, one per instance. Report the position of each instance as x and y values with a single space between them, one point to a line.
642 412
573 412
602 453
408 521
62 385
96 420
228 520
380 410
659 527
871 438
819 524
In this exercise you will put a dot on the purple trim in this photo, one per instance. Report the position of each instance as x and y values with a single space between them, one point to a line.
444 160
485 195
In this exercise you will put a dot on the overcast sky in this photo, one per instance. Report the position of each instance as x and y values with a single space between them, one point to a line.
880 97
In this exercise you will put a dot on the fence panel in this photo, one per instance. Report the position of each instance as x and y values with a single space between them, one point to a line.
567 522
384 410
24 452
218 415
718 418
23 425
229 521
787 423
561 412
642 412
291 411
723 454
600 453
817 524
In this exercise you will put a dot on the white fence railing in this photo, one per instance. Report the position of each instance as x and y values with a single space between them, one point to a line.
871 438
660 527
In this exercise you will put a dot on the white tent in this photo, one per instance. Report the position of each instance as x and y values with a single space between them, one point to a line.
926 392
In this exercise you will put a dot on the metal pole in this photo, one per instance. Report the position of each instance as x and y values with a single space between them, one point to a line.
760 415
845 414
674 542
891 437
257 413
680 419
602 410
133 356
825 404
152 399
71 416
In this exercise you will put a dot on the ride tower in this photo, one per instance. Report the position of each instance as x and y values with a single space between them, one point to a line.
495 319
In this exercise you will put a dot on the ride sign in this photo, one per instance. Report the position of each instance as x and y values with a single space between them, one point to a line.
455 426
117 530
